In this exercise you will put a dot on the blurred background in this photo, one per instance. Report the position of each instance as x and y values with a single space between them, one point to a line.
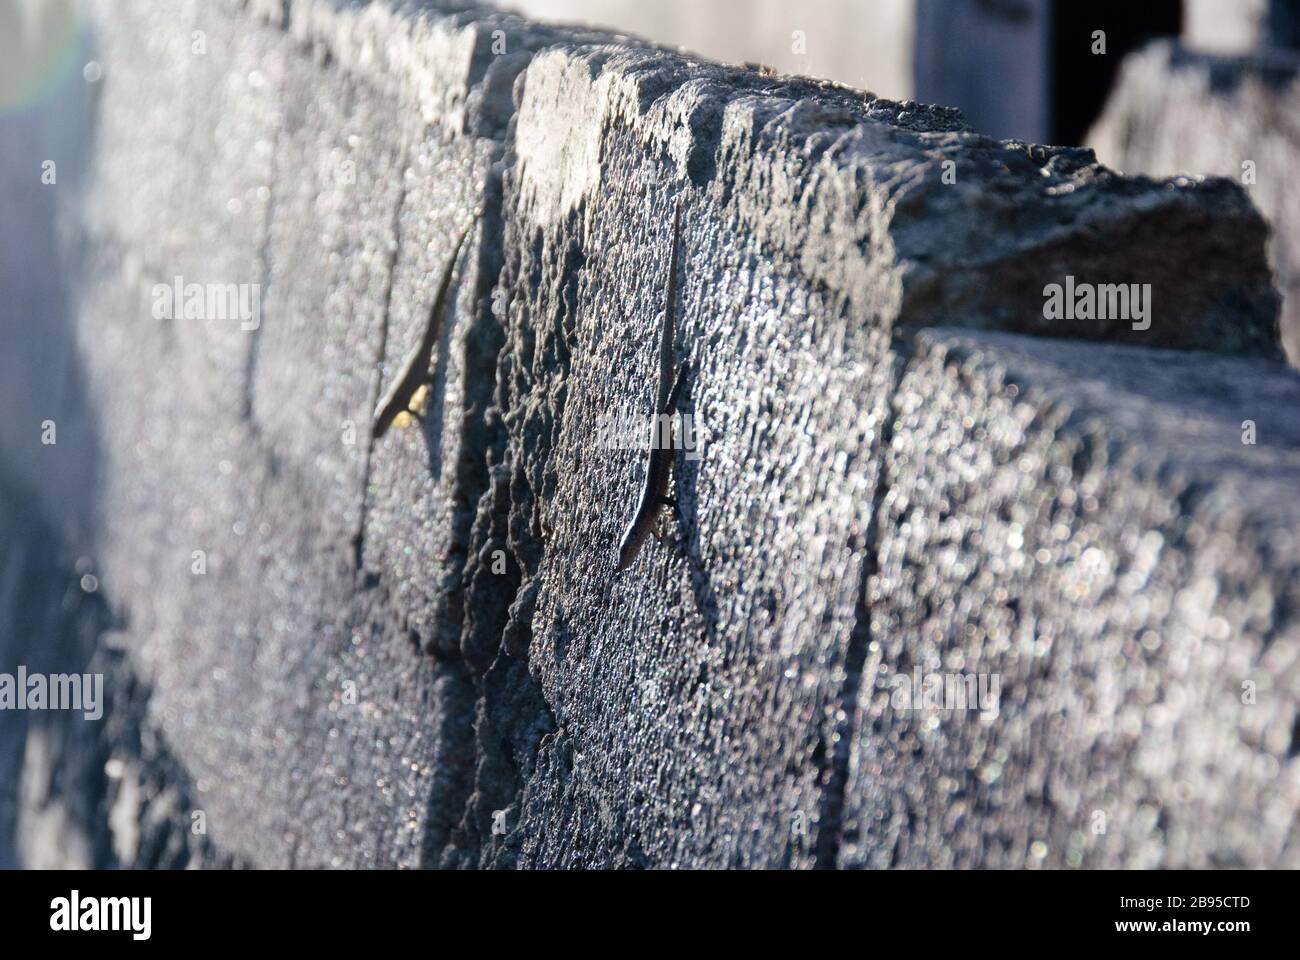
1017 68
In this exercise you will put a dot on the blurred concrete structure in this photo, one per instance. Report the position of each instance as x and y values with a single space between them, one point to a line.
1016 68
1220 103
993 60
1226 26
866 44
1241 26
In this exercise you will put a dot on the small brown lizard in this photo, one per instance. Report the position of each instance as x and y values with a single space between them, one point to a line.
654 492
416 371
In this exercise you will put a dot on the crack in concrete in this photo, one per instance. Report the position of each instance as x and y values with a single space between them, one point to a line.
264 262
830 827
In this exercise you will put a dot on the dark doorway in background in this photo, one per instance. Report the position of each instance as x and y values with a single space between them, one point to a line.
1081 80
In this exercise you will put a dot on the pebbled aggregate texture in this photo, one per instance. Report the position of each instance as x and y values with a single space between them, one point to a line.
1086 523
416 653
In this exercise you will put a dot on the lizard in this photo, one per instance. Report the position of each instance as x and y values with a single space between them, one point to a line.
655 489
416 371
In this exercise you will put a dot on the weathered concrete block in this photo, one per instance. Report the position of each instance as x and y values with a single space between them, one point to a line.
234 545
195 211
687 708
1174 111
818 228
332 243
1085 523
422 480
438 88
702 708
261 499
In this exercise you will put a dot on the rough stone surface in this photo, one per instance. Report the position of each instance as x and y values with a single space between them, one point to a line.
256 455
415 652
1175 111
1086 523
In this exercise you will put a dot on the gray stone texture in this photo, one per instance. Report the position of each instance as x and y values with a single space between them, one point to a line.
415 652
1085 522
1177 111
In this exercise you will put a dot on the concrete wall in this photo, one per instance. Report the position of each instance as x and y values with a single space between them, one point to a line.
415 651
1232 27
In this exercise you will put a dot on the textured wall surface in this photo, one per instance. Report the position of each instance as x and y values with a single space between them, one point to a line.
415 650
1085 522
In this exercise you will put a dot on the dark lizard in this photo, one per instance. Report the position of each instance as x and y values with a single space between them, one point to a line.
416 371
654 491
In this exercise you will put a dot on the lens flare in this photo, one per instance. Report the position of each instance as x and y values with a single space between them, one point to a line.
42 44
